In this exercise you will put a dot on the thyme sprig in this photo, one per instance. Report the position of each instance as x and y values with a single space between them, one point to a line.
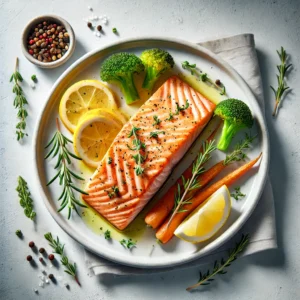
282 87
59 144
139 159
107 234
182 108
203 76
237 194
191 184
238 154
157 121
115 192
137 144
59 249
207 278
19 102
25 199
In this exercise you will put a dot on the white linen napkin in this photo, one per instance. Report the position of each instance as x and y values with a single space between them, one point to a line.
239 51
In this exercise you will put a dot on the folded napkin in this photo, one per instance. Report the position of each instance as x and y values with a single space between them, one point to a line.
239 51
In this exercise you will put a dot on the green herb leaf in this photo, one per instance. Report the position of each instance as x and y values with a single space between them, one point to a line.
237 193
25 199
107 235
183 107
157 121
129 244
154 134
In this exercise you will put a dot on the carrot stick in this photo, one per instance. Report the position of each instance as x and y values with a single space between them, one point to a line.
161 210
166 231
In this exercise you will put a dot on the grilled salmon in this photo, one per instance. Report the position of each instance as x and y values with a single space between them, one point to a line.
147 148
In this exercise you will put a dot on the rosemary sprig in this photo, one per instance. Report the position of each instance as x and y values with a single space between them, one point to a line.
238 153
192 183
237 193
157 121
219 267
181 108
59 147
19 102
203 76
154 134
282 87
137 144
114 193
139 159
59 249
129 244
25 199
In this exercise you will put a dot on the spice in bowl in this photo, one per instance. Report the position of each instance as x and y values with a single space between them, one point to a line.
48 41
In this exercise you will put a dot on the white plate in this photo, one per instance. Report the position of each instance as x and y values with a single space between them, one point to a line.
148 253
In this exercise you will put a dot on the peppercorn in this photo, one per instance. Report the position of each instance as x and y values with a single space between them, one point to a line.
41 259
51 256
218 82
99 27
89 24
31 244
51 276
41 250
29 257
30 51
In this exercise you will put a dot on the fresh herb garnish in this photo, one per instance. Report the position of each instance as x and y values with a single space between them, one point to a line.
203 76
33 78
107 235
114 193
59 249
137 144
139 159
109 161
237 193
129 244
154 134
170 116
156 120
238 153
114 30
59 147
282 87
25 199
19 102
191 184
19 233
183 107
219 267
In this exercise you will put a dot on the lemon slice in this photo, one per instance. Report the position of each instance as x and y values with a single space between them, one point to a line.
94 134
207 218
82 97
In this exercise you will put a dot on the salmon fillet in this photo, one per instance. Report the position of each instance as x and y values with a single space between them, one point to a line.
118 168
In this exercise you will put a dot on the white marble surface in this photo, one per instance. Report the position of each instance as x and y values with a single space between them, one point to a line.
270 275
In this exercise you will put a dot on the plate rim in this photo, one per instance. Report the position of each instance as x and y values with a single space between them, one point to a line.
234 228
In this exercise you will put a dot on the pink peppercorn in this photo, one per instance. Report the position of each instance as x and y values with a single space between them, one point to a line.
50 40
31 42
54 25
30 51
41 36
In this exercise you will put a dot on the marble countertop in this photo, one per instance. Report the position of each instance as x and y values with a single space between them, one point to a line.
267 275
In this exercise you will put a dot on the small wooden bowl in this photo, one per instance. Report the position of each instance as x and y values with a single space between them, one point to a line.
54 19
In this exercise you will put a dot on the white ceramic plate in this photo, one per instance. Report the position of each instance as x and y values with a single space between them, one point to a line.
148 253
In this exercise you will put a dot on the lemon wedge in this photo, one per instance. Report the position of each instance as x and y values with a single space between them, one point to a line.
82 97
95 132
207 219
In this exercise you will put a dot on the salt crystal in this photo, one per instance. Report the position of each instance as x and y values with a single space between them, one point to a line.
95 18
41 284
32 85
95 33
35 290
104 22
47 281
98 34
43 278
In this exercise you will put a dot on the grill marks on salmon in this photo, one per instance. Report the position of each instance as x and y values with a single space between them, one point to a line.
161 153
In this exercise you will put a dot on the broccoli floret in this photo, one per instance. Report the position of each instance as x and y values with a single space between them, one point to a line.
236 115
120 68
156 62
